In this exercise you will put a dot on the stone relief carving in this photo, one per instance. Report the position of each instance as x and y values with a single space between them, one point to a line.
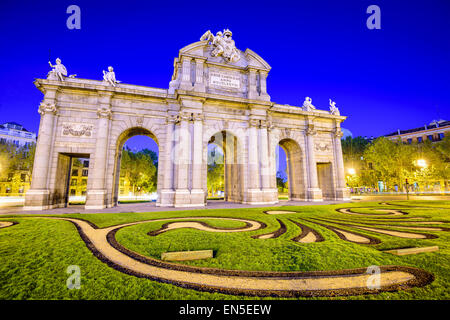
223 44
46 107
140 121
307 104
58 72
310 130
77 129
322 147
333 109
104 112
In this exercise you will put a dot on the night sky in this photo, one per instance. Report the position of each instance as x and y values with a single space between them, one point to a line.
383 80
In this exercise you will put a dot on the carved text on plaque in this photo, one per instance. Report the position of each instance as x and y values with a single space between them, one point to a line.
224 80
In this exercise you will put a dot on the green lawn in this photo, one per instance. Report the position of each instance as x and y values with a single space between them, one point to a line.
35 253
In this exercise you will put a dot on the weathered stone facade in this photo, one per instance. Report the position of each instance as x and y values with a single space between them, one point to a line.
210 99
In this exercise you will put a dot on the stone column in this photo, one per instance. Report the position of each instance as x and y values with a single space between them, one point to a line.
197 192
342 193
96 194
167 192
182 150
270 195
37 197
314 192
254 185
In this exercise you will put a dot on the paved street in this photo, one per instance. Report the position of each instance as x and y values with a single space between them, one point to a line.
151 207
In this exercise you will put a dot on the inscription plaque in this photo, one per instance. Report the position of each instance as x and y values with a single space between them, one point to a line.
225 80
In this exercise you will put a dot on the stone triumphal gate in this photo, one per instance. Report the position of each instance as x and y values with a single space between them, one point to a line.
218 95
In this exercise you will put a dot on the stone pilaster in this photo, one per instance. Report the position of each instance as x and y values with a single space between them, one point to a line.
199 85
197 192
342 193
263 86
252 86
314 193
96 194
37 197
186 83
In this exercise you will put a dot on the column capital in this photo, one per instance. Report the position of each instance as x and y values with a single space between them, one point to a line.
171 119
264 124
182 116
104 112
198 117
253 123
337 133
47 107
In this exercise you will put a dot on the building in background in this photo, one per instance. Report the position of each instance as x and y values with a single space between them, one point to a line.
12 132
437 130
15 178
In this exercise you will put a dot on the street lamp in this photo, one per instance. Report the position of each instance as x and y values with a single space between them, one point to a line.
421 163
351 171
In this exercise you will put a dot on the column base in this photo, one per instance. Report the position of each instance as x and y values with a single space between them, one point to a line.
270 195
198 197
166 198
342 194
314 194
37 199
95 199
258 196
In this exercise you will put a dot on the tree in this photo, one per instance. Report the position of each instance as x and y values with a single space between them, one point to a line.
282 183
215 174
391 161
139 169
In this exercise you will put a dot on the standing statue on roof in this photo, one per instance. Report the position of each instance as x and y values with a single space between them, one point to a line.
110 76
223 45
333 109
307 104
58 72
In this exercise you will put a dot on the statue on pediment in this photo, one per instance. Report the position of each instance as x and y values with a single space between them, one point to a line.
224 45
110 76
307 104
333 109
58 72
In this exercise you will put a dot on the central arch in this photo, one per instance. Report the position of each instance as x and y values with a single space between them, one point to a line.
233 167
123 137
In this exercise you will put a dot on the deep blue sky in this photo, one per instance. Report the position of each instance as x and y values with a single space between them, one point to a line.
396 77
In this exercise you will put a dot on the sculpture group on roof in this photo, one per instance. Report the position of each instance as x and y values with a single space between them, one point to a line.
59 72
223 44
